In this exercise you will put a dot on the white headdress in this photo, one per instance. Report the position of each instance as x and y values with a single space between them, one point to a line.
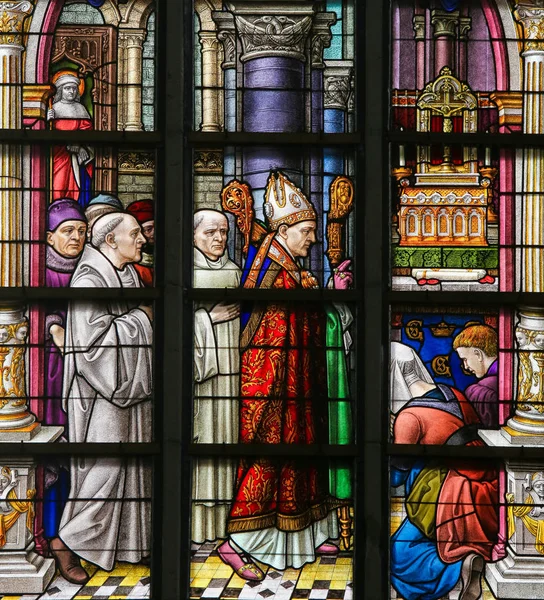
405 369
285 204
66 78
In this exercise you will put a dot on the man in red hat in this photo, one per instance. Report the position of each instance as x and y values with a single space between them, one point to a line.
143 211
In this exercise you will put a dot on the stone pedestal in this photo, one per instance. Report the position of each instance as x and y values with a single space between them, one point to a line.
22 570
16 422
527 425
519 574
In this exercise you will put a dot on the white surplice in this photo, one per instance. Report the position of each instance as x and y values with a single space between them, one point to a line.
216 394
107 395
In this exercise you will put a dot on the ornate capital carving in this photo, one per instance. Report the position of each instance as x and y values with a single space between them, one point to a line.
338 85
273 35
444 23
12 18
132 38
209 41
227 36
419 27
321 37
465 25
531 17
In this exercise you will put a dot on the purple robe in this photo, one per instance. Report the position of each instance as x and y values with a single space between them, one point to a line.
58 273
484 396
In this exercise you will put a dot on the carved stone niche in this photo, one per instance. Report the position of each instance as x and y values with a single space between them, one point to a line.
94 50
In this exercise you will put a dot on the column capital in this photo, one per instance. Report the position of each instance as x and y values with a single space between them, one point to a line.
273 29
419 27
444 23
12 18
226 33
209 41
131 38
321 37
338 84
531 17
465 25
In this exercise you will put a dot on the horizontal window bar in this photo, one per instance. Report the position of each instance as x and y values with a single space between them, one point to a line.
272 295
266 450
83 448
22 294
459 298
468 452
471 139
108 138
199 138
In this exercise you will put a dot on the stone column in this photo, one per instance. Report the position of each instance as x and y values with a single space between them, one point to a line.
211 81
532 258
12 17
320 39
465 25
131 43
444 33
338 80
273 37
22 571
419 35
519 574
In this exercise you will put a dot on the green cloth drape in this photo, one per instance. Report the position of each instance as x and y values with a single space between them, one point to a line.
340 414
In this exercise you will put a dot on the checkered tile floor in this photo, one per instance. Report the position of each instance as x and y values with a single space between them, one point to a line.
327 578
125 582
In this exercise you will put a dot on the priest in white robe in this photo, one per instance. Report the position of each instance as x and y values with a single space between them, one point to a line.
107 392
216 376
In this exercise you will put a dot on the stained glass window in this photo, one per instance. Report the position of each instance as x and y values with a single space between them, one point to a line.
274 253
464 368
78 200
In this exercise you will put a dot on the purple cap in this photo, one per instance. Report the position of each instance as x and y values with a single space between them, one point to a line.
63 210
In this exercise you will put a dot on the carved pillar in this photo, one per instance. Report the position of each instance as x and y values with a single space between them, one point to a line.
320 38
338 80
122 81
444 34
519 575
210 81
465 25
532 258
12 17
419 35
226 34
22 571
130 93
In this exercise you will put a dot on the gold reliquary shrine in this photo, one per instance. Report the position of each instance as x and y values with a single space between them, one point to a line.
445 203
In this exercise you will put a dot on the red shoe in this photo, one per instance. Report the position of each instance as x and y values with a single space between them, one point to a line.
327 549
230 557
487 279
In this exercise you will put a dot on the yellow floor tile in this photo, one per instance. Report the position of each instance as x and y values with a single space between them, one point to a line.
337 584
138 570
83 598
131 580
236 582
97 579
344 561
201 583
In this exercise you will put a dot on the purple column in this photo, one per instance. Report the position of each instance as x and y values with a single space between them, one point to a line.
273 102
